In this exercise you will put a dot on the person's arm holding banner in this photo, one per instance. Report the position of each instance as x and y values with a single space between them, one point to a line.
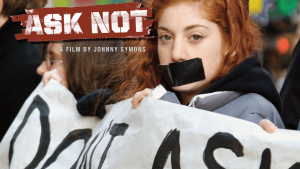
266 124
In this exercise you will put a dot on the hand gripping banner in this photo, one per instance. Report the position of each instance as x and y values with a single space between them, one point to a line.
49 133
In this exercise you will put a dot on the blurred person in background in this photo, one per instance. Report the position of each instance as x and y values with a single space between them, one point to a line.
83 73
290 93
18 61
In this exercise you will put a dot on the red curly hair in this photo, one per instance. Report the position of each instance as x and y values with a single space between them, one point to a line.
239 34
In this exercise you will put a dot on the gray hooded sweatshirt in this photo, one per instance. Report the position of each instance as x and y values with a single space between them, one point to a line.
247 93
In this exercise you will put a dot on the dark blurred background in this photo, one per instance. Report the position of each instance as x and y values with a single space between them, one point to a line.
280 24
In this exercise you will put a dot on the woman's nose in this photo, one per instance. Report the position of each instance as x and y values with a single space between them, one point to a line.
42 69
179 51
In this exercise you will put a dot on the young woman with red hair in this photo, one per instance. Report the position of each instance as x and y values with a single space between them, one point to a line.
221 35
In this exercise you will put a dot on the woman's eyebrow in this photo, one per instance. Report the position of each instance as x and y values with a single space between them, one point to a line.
51 52
164 28
186 29
194 26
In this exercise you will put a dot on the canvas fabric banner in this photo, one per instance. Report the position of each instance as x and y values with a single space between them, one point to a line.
49 133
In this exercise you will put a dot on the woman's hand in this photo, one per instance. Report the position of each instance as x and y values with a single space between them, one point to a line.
267 125
138 97
54 74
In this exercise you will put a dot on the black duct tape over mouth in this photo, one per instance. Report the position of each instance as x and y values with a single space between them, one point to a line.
182 73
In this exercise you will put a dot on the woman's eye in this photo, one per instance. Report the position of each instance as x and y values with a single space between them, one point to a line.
166 37
195 37
52 59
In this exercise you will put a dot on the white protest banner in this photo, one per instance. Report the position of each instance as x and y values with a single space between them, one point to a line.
49 133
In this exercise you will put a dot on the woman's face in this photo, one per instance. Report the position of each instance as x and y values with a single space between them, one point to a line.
54 60
184 34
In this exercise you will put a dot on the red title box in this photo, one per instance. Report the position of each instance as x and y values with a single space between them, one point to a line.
102 21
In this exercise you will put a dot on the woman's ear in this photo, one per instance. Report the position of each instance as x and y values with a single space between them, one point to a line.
3 18
234 53
227 49
1 6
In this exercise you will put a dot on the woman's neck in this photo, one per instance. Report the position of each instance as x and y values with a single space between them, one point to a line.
3 19
186 97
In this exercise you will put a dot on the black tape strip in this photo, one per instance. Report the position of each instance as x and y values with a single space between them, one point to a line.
182 73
